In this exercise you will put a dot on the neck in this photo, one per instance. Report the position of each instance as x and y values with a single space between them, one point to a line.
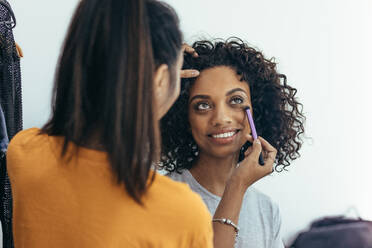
213 173
92 141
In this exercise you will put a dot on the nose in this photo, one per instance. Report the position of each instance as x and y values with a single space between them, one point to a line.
221 116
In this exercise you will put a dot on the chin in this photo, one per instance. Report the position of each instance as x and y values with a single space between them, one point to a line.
224 152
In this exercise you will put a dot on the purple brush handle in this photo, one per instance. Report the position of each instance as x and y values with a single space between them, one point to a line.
251 123
254 132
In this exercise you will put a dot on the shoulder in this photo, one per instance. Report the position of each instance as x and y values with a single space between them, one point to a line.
186 211
180 191
26 140
25 137
27 149
262 198
263 202
185 204
178 176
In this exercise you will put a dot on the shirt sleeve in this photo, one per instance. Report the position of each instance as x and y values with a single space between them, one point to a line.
277 241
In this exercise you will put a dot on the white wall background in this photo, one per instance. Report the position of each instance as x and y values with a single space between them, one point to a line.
324 48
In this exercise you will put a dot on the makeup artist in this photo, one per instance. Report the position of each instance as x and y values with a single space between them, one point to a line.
85 179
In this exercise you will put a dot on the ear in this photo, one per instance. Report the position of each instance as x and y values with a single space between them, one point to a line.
161 83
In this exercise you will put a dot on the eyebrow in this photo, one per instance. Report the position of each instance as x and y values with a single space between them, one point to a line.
199 96
235 90
227 94
230 92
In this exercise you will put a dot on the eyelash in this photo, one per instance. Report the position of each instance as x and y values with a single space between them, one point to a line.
234 98
197 105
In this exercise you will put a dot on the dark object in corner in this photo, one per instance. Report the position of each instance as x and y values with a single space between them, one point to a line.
11 104
336 232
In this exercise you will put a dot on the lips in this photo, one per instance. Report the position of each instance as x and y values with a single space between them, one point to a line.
223 137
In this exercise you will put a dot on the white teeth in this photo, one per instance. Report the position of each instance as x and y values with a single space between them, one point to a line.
223 135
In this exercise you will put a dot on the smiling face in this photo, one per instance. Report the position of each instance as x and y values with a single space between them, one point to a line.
218 122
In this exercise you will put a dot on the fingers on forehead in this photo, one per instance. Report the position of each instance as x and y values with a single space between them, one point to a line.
188 48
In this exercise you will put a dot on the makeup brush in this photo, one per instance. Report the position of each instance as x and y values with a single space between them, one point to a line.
254 132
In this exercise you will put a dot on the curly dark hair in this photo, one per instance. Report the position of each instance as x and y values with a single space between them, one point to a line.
278 114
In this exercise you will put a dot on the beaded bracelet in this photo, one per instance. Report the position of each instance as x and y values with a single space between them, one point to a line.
228 222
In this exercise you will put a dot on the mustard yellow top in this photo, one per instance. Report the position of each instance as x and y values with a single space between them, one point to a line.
76 203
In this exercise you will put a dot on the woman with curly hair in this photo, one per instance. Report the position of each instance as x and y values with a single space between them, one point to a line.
207 140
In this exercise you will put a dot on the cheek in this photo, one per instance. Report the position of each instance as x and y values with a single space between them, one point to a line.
247 128
241 119
197 125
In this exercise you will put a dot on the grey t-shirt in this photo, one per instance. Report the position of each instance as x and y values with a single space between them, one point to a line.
259 219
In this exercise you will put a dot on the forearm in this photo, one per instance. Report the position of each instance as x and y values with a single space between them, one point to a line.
229 208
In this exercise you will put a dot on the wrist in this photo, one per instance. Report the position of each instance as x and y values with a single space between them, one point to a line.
237 184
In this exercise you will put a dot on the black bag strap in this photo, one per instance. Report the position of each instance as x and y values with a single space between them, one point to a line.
10 24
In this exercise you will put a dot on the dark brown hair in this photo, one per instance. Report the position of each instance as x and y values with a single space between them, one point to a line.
103 86
278 114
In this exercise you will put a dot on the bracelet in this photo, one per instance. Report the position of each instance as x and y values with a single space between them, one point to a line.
228 222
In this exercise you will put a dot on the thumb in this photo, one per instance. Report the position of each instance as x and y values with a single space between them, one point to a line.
257 148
